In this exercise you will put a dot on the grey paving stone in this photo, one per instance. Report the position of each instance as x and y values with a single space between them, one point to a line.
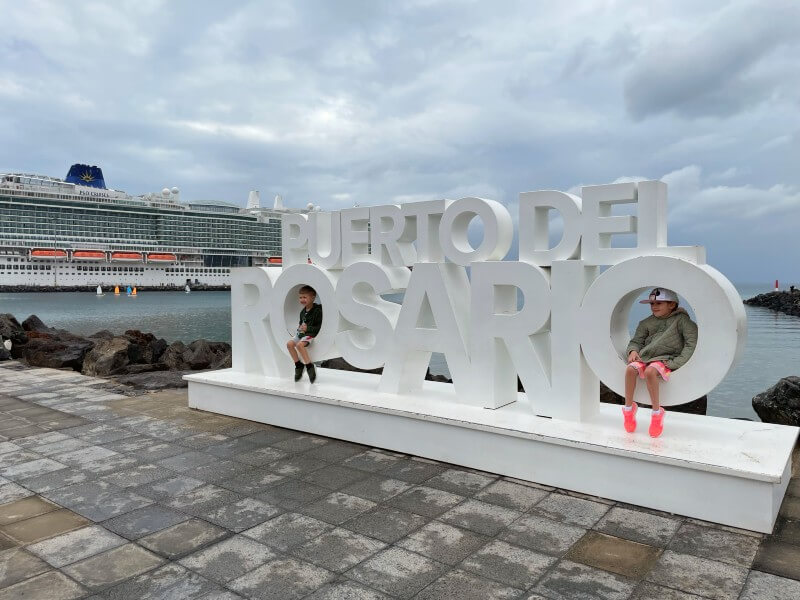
159 450
291 494
203 499
241 428
716 544
10 492
508 564
30 469
487 519
377 488
59 447
397 572
17 457
102 433
170 582
268 436
346 590
617 555
218 471
335 451
252 482
17 565
241 515
76 545
84 456
138 475
568 509
511 495
229 559
130 444
230 448
144 521
572 581
221 595
296 465
31 441
425 501
52 586
460 585
698 575
413 471
260 456
282 579
288 530
97 500
336 508
542 535
113 566
300 443
638 526
386 523
764 586
186 461
169 488
56 479
183 538
371 461
338 550
651 591
443 542
203 439
334 477
779 559
458 481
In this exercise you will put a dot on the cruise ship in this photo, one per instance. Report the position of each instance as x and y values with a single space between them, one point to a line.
76 233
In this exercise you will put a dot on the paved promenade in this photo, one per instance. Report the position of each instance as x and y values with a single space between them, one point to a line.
110 496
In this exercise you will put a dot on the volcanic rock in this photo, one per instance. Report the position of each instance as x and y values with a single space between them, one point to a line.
781 403
110 356
55 353
10 329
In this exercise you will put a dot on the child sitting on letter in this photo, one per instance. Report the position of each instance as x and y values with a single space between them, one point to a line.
662 343
307 329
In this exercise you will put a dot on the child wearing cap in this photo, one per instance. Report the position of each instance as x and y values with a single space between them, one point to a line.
663 342
307 329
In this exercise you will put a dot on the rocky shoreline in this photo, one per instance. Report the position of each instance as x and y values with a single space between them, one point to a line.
20 289
785 302
144 362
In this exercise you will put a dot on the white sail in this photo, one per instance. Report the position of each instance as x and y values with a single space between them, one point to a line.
99 290
187 289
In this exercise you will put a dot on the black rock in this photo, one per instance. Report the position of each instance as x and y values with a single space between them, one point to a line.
159 380
785 302
173 357
781 403
4 354
56 353
10 329
110 356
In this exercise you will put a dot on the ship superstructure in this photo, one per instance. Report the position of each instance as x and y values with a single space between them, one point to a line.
76 233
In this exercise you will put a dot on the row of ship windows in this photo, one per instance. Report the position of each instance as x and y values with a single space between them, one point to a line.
190 271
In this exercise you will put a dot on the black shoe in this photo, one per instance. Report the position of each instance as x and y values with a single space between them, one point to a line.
312 372
298 370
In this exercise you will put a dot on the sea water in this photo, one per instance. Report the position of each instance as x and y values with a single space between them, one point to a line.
772 350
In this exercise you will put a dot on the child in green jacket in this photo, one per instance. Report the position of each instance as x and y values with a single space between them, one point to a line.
662 343
307 329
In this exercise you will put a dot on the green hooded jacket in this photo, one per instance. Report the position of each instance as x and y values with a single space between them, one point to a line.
670 339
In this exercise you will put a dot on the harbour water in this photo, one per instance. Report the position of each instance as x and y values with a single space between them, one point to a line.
772 350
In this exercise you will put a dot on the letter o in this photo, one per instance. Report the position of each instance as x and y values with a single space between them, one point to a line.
717 306
498 231
285 308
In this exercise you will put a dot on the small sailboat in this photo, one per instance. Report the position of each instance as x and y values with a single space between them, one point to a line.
116 290
187 289
129 291
100 291
133 293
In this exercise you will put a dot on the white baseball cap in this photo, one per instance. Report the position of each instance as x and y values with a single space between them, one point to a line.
660 295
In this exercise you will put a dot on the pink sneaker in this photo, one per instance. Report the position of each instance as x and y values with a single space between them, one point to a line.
656 423
639 366
629 418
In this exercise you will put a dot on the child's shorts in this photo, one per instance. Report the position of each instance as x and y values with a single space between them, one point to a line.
659 366
304 338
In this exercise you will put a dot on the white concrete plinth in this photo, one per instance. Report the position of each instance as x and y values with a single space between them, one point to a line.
720 470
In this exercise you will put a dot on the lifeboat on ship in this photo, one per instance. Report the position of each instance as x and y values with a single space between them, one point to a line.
161 257
275 260
51 253
88 255
126 256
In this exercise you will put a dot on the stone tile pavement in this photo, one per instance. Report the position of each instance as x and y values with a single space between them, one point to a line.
109 496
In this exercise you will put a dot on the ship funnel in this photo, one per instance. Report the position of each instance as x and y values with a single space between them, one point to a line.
279 203
254 200
90 176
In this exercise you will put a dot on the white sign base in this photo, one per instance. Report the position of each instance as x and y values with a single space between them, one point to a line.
721 470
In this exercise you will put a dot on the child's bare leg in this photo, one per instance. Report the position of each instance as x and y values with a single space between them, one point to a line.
301 348
630 384
291 346
651 376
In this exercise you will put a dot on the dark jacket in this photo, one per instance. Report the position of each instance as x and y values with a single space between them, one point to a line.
670 339
312 319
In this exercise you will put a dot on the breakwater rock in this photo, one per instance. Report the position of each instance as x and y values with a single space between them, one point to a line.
135 358
785 302
781 403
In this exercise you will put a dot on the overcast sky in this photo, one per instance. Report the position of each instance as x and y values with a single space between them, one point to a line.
339 103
